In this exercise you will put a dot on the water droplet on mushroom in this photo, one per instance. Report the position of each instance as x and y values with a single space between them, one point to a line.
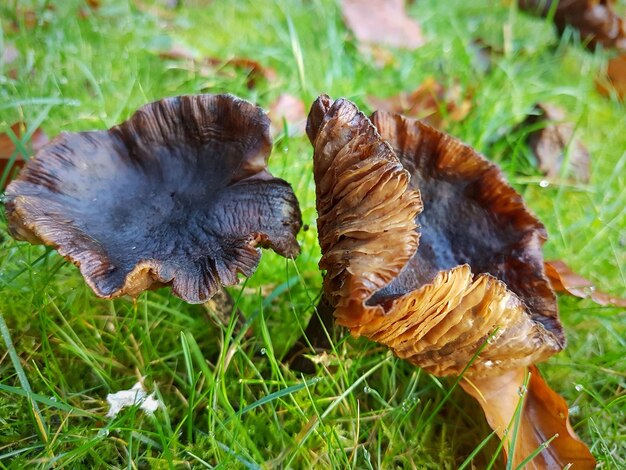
133 247
488 363
544 183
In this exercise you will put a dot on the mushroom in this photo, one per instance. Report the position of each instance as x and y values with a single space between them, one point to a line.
596 20
177 195
429 251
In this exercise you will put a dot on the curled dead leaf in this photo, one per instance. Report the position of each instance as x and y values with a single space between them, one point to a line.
483 54
382 23
10 158
553 140
596 20
615 79
431 102
206 66
563 279
7 60
543 420
288 109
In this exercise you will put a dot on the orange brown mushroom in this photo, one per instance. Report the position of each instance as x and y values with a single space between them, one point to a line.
429 251
177 195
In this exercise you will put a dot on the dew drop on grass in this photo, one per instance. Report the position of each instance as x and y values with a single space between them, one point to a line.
544 183
579 388
263 351
522 390
366 389
103 432
589 290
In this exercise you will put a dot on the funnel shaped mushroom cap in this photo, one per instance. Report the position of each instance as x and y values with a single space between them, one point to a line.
434 292
462 292
177 195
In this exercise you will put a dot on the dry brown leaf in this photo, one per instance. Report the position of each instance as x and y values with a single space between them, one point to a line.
430 102
209 65
544 416
483 54
290 109
7 60
26 17
161 12
615 79
563 279
382 23
596 20
8 148
550 142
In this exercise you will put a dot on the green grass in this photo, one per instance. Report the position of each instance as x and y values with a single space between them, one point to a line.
229 400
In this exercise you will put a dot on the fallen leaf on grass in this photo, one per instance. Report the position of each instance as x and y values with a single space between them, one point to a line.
8 149
550 143
208 65
483 54
290 110
544 418
596 20
7 58
430 102
31 19
382 23
137 395
615 78
155 9
563 279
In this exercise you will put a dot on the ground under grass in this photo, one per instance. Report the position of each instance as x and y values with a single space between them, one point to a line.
229 400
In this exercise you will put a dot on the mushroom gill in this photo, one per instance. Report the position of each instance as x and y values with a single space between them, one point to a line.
177 195
451 280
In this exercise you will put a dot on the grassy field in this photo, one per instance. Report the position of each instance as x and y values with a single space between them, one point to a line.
229 400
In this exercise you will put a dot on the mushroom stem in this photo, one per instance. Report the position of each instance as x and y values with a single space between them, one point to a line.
541 429
315 338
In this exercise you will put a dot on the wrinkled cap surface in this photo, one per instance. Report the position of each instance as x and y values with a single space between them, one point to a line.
433 277
177 195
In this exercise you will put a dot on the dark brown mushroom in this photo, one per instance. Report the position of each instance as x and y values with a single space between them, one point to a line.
437 277
177 195
596 20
